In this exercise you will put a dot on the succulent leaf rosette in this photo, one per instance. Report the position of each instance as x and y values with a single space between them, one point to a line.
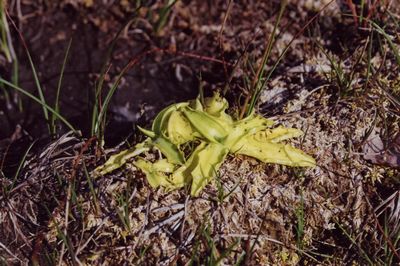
212 134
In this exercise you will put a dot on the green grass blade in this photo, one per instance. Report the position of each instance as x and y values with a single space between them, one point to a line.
38 86
281 56
91 188
42 103
163 15
103 71
299 211
4 31
369 59
363 253
381 31
21 163
100 122
56 105
260 72
34 72
7 48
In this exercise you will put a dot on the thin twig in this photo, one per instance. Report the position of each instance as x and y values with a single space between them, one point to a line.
165 222
81 248
9 252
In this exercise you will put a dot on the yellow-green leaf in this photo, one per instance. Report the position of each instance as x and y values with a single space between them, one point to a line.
196 104
169 150
117 160
164 166
270 152
205 164
182 176
277 134
179 129
246 127
209 127
153 175
148 133
159 126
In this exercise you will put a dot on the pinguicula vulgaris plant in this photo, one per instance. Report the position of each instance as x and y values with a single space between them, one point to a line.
211 134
